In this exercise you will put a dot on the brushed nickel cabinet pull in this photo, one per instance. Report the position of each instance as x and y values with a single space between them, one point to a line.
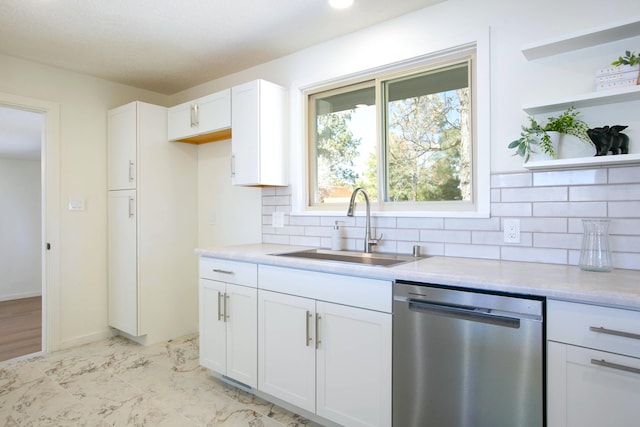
216 270
318 317
226 307
602 330
195 119
308 337
219 307
233 165
131 207
131 177
606 364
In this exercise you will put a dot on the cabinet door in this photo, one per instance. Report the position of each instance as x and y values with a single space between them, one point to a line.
258 143
123 301
286 350
354 365
203 115
241 317
583 393
212 326
245 142
122 147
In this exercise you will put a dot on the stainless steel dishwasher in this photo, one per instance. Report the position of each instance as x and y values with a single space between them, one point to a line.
466 359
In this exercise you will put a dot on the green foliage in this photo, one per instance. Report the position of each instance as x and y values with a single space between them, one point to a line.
629 58
336 149
424 149
535 135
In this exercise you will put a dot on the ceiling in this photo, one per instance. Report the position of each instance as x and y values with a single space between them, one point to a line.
167 46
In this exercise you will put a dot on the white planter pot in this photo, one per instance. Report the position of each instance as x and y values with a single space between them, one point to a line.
570 147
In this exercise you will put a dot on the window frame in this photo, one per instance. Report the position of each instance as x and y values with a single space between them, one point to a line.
478 53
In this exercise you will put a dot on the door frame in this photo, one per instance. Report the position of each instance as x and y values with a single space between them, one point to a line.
50 215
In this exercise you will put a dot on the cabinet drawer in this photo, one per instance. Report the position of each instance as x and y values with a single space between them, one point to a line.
603 328
240 273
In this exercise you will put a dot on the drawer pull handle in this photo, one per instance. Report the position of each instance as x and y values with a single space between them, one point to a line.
614 332
226 308
215 270
615 366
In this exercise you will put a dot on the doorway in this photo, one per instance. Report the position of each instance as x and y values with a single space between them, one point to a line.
21 232
29 226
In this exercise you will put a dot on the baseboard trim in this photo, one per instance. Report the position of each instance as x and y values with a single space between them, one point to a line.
86 339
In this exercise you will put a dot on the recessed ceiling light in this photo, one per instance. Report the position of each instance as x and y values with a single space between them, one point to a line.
340 4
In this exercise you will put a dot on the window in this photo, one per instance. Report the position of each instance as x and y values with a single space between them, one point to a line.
406 136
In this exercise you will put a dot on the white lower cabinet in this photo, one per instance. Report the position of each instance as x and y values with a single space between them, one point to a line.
330 359
228 321
593 366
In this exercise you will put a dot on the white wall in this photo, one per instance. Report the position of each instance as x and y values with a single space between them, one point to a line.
549 205
20 229
514 80
84 102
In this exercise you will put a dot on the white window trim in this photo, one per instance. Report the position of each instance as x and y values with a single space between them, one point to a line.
482 152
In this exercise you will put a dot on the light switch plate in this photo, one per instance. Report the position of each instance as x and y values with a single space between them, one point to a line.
277 219
76 205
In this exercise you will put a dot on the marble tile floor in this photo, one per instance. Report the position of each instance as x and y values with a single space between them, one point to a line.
117 382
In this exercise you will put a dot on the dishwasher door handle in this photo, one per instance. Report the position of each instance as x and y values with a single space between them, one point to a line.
464 313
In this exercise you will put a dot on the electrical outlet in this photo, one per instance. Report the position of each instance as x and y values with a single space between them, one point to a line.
512 231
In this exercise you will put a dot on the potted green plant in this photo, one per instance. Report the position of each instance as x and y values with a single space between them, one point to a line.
629 58
537 137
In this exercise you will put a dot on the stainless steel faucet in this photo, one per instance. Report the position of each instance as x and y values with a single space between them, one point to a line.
369 241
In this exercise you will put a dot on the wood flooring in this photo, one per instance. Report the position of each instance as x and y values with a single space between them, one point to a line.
20 327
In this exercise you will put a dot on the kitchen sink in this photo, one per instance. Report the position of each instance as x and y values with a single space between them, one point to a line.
377 259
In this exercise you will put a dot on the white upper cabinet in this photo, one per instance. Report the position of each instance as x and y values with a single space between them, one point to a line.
202 120
258 144
122 147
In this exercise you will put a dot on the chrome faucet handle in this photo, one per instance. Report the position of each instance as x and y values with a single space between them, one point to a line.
374 242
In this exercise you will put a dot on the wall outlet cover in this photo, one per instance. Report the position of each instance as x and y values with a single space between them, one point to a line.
512 231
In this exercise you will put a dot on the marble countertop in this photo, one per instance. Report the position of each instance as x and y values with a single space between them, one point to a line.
617 288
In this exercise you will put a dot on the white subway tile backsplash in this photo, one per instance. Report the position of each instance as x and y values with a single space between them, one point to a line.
446 236
624 175
472 251
625 227
304 220
605 192
549 225
472 224
511 180
566 209
625 244
624 209
549 204
528 254
548 194
557 240
431 223
411 235
511 209
305 241
625 260
570 177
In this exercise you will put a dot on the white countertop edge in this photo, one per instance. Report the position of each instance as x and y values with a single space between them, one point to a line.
619 288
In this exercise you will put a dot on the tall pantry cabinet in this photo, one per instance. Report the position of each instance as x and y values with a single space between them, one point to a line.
153 283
